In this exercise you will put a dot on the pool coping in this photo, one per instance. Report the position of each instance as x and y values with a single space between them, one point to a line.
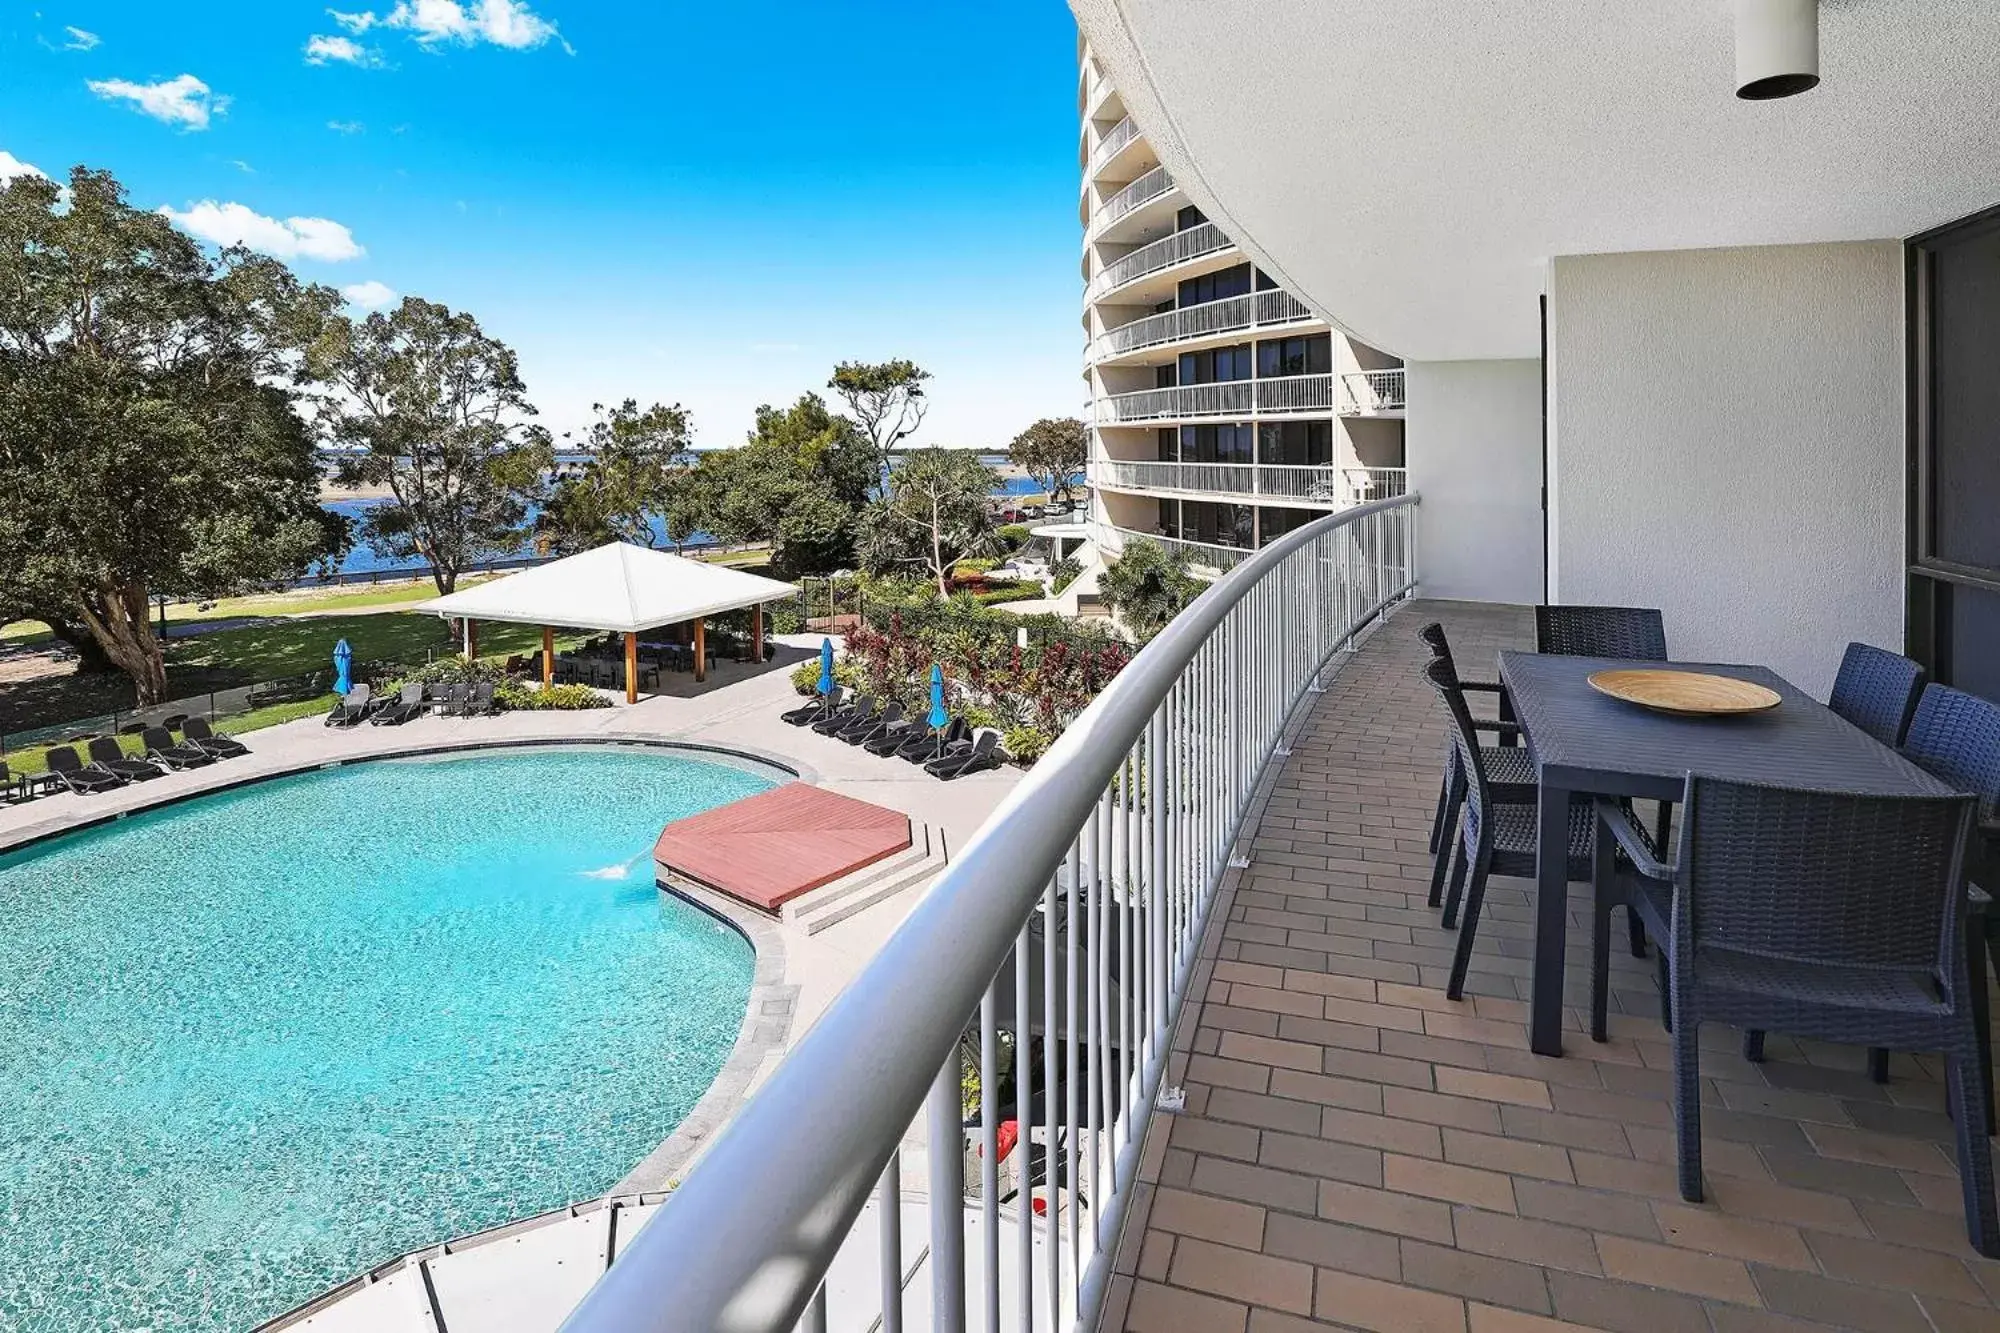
64 825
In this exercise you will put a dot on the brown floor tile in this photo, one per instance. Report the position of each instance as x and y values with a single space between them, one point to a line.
1333 1245
1385 1307
1159 1309
1254 1279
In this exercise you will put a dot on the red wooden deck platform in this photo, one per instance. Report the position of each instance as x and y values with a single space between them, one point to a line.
769 848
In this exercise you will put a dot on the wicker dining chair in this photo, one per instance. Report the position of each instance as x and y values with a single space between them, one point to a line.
1877 691
1636 633
1495 836
1823 914
1513 768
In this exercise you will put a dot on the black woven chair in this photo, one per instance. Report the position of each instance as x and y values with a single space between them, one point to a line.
1956 737
1495 836
1510 773
1637 633
1823 914
1877 691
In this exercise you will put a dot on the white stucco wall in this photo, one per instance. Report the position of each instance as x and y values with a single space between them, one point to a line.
1726 435
1473 444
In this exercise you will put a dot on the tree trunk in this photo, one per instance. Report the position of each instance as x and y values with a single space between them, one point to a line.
937 551
118 616
91 659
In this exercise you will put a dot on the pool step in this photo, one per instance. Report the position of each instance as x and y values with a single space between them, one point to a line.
834 903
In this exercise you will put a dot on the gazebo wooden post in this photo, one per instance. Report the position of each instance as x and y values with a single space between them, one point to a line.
757 632
700 650
548 656
471 639
631 667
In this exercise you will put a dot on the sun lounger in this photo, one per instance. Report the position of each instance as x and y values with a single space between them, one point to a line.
350 710
860 721
196 732
808 713
159 743
893 737
105 755
863 732
980 754
921 748
841 719
455 699
408 704
71 772
480 703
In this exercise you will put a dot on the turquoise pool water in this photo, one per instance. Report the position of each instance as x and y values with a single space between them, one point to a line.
255 1043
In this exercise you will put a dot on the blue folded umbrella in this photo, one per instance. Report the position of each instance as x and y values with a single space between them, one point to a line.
938 717
343 667
826 666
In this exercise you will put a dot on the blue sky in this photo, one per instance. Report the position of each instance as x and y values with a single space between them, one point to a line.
702 203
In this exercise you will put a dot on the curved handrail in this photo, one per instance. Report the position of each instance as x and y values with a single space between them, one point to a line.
746 1240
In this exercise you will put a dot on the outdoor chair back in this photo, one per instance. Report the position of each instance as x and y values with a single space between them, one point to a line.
1877 691
1636 633
1956 736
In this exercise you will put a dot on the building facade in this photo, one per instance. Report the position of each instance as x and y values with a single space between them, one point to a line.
1223 411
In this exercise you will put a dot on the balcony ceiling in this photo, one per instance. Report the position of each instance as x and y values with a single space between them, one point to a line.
1439 153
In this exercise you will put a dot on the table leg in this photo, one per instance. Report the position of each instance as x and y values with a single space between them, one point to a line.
1551 919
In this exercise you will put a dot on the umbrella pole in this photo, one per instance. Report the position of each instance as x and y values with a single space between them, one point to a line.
548 656
631 667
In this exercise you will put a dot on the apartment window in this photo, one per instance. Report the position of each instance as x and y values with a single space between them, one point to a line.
1275 523
1163 376
1265 282
1170 517
1309 354
1189 216
1218 524
1216 366
1218 286
1230 442
1168 442
1295 443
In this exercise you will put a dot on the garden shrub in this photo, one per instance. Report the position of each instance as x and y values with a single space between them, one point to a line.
1026 744
1011 536
556 698
805 676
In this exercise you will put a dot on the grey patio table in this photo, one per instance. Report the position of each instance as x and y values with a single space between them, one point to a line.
1585 742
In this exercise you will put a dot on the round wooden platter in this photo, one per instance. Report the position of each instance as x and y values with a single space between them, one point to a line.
1684 693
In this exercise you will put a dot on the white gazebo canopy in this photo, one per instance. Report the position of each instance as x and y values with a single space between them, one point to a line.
621 588
618 587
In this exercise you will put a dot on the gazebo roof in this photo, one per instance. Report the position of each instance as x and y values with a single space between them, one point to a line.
618 587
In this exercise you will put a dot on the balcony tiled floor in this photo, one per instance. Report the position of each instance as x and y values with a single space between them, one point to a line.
1359 1152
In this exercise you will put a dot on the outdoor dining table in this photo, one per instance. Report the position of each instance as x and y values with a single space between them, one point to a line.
1583 742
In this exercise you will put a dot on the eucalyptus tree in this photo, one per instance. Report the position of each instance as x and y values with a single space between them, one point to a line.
150 434
799 482
431 409
1052 452
636 472
886 399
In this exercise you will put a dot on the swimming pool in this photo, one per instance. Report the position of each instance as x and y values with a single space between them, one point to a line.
254 1043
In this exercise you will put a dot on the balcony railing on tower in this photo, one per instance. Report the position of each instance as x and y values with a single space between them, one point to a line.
1293 394
1149 186
1204 238
1070 922
1367 393
1232 314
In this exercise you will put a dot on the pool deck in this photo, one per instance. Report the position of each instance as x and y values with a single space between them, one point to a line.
765 850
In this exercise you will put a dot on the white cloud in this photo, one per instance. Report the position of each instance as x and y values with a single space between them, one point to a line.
11 166
183 100
242 166
291 238
321 50
346 126
508 23
79 40
369 295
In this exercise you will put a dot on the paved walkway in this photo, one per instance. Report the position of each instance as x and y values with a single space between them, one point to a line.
1359 1152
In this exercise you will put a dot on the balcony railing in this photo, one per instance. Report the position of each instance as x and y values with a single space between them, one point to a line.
1071 921
1149 186
1367 393
1113 142
1230 398
1202 239
1232 314
1271 482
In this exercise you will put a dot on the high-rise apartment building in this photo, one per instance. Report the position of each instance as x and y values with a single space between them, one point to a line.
1223 412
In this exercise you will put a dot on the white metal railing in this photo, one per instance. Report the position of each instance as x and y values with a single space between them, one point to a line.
1069 923
1232 314
1113 142
1367 392
1204 238
1149 186
1272 397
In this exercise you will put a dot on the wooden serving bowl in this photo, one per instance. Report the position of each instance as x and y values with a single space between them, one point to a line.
1684 693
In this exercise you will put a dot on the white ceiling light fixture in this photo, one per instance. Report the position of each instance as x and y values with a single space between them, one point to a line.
1777 48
